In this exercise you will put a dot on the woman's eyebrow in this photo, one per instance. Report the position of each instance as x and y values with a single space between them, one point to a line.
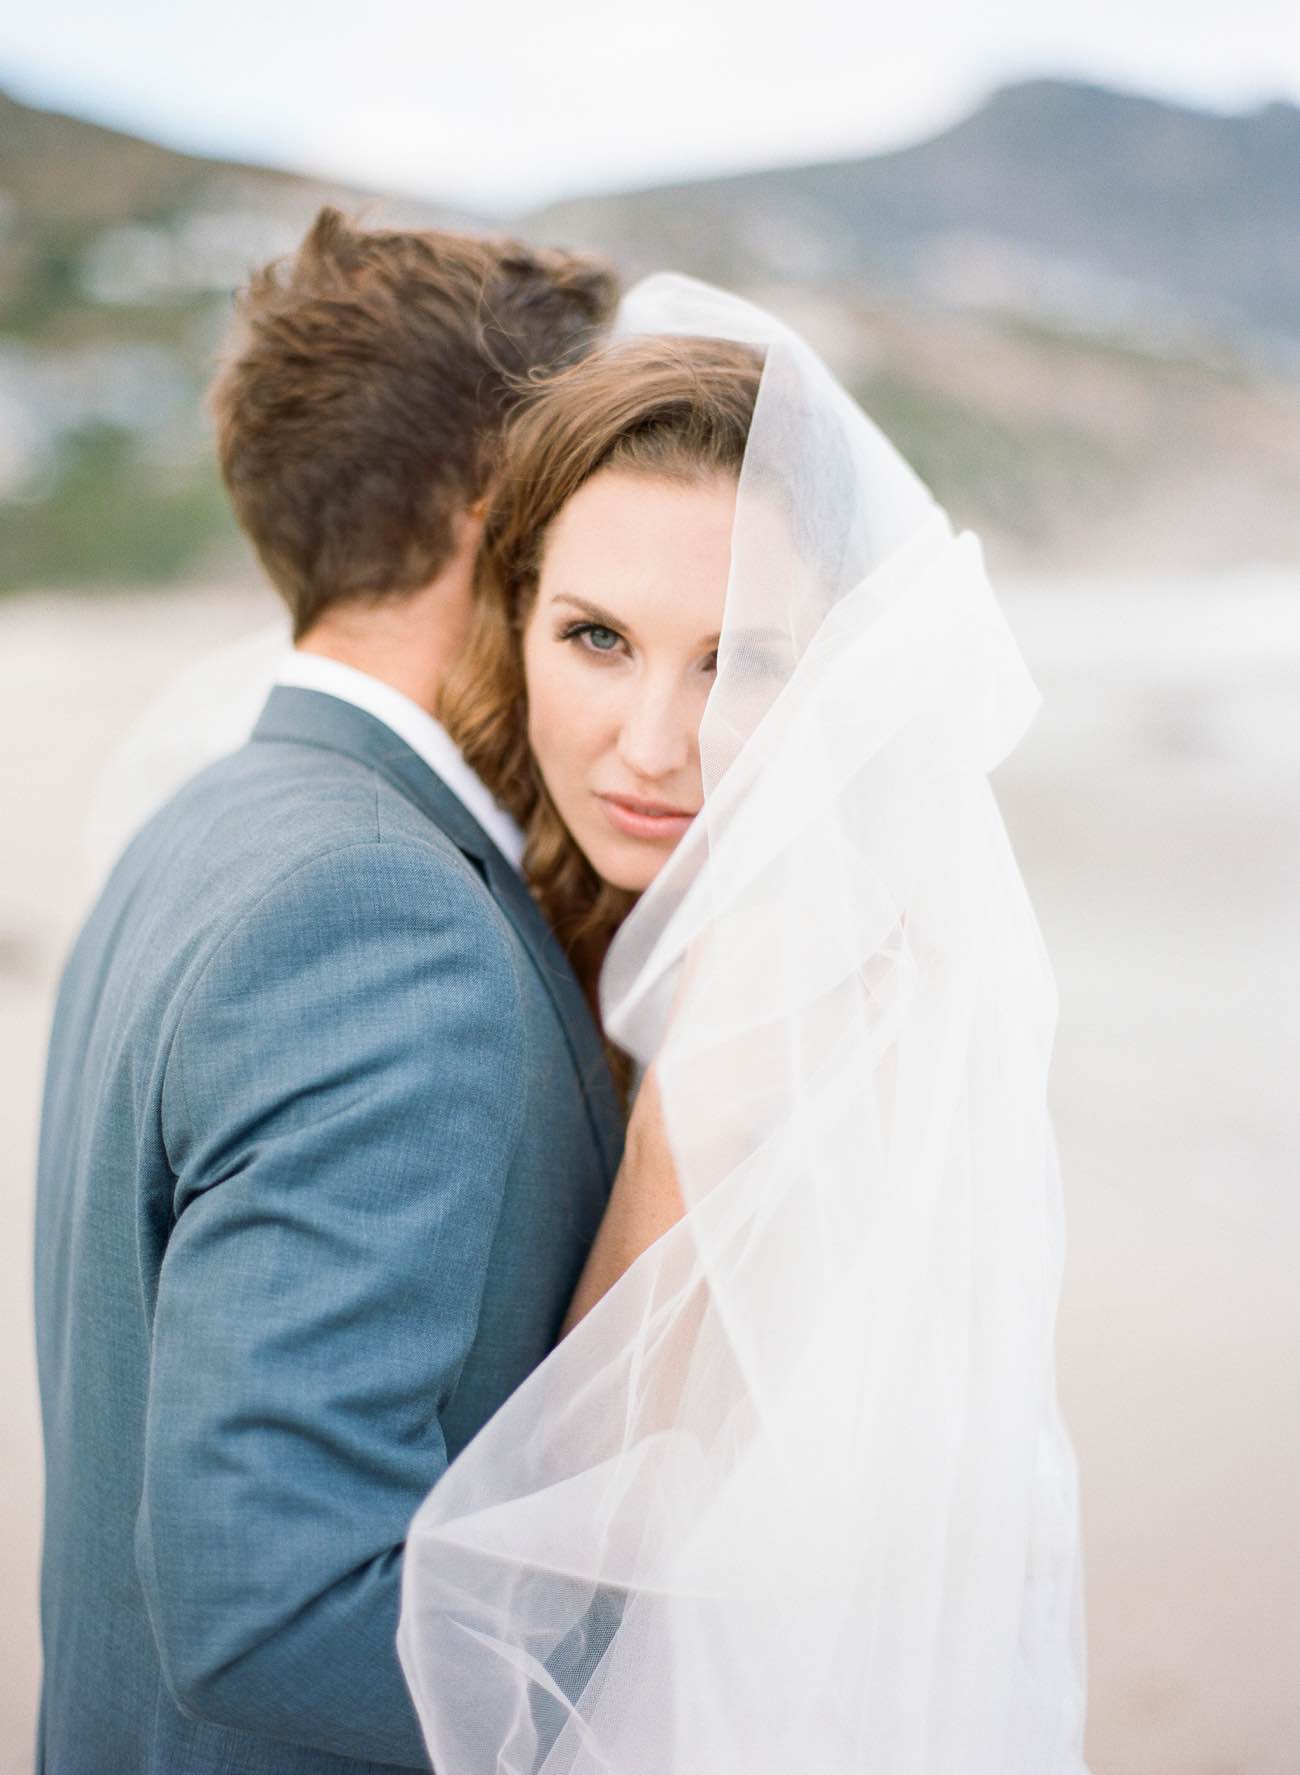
605 618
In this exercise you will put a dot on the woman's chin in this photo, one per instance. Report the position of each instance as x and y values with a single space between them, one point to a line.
629 863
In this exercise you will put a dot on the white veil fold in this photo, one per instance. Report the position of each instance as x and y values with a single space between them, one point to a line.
795 1498
206 712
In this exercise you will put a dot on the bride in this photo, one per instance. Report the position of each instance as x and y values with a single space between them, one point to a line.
792 1493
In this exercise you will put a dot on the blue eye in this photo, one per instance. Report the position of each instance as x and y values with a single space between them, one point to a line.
592 637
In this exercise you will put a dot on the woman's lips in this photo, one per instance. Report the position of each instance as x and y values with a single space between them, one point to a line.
644 819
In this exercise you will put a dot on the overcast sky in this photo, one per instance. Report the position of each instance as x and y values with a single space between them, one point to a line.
505 103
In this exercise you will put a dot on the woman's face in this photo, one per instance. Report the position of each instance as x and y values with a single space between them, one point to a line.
620 651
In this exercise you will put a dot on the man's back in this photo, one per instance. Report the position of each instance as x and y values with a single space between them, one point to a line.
327 1133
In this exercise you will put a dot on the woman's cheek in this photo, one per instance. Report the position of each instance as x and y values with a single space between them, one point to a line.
581 719
545 676
559 709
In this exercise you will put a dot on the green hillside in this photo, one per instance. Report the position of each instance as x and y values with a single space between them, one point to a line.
117 263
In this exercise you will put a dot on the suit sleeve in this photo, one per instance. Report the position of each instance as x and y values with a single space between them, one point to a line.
341 1108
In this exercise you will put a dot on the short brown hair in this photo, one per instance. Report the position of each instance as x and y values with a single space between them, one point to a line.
358 408
666 407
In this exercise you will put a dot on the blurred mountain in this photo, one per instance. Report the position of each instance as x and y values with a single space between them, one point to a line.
1058 200
1077 311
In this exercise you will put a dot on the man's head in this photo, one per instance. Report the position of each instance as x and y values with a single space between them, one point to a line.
359 407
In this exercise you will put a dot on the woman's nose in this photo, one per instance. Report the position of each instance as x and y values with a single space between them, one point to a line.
658 733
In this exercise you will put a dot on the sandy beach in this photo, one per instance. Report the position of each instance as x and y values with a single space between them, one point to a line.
1155 808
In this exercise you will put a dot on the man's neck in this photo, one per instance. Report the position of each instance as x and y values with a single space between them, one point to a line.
408 643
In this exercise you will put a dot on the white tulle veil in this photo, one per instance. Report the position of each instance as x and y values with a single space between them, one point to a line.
206 712
795 1498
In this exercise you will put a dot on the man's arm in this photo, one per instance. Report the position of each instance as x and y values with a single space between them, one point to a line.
341 1107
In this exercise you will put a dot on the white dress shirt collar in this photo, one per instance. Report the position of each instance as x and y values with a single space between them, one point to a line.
425 736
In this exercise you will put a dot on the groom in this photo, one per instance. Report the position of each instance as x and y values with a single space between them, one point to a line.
327 1128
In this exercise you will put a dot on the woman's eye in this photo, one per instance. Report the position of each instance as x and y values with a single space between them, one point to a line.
756 663
593 637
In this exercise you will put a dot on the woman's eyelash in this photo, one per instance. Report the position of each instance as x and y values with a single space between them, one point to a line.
581 630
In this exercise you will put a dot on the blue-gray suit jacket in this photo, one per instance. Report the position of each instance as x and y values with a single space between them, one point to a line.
327 1134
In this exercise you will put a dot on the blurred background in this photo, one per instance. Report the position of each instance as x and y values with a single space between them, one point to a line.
1058 259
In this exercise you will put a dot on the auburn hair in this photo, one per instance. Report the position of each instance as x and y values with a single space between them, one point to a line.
363 392
660 406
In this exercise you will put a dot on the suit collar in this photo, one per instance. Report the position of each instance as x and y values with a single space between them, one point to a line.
309 717
423 733
314 718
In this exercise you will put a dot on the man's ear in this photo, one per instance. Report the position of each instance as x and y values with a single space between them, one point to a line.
469 522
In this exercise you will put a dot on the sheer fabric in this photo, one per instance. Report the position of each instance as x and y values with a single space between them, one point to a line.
203 714
795 1496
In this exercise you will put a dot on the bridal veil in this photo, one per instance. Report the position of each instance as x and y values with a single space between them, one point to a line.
795 1497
